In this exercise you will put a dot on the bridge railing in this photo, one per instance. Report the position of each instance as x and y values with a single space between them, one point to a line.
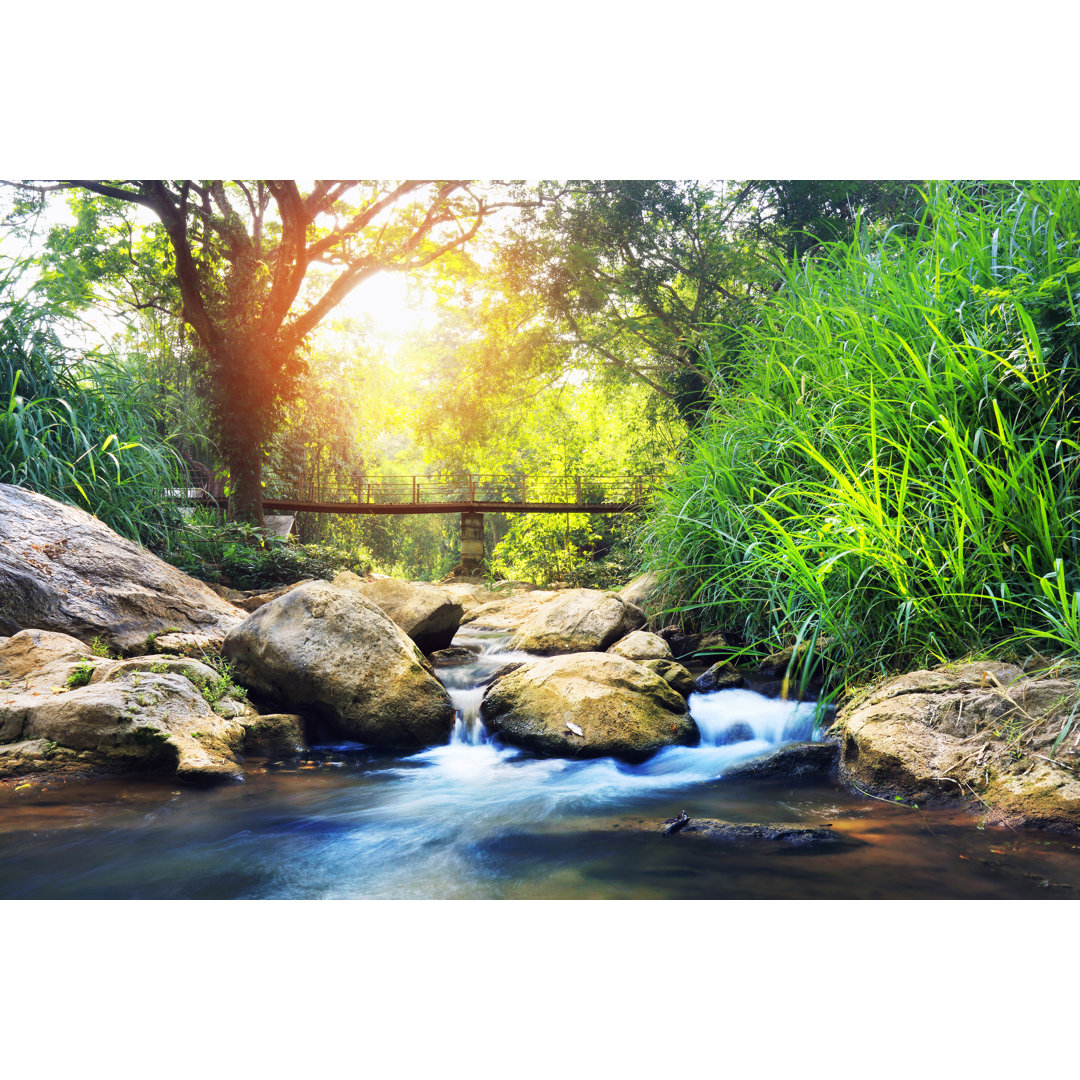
473 488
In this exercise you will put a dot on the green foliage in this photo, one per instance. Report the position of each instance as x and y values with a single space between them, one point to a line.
213 690
79 429
252 560
81 674
100 648
898 474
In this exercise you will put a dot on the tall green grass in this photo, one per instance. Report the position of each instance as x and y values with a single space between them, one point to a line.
897 477
83 430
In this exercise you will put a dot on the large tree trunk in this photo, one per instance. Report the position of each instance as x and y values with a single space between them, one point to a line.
245 483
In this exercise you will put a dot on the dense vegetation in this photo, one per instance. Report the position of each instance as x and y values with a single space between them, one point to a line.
79 426
896 476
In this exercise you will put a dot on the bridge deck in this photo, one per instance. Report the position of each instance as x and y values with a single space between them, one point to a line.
292 506
471 493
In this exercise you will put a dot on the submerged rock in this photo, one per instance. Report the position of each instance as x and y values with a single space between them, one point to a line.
982 735
588 705
794 761
332 654
426 613
793 834
738 732
641 645
65 571
578 620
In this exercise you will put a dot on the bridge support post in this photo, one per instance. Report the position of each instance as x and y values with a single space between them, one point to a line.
472 543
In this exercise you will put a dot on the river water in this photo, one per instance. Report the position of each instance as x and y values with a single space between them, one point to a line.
474 819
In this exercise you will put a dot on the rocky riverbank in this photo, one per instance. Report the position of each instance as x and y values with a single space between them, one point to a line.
113 660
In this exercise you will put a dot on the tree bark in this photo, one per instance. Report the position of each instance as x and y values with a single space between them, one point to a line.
245 484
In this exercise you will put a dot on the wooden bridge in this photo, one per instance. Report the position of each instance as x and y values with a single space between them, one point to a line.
471 495
492 493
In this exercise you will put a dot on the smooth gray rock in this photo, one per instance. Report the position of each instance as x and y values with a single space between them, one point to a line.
63 570
795 761
721 676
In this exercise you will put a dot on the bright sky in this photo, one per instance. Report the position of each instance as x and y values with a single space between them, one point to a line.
385 297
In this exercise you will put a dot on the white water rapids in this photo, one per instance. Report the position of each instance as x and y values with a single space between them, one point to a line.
734 725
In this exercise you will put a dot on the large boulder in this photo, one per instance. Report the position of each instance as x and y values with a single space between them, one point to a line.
621 708
470 594
427 613
56 712
509 612
579 620
65 571
331 654
983 735
641 645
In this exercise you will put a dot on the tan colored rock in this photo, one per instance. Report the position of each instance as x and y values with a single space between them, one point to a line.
509 612
675 675
641 645
470 595
981 735
40 756
187 644
425 612
331 654
159 664
253 601
65 571
622 709
579 620
29 651
137 719
234 596
274 735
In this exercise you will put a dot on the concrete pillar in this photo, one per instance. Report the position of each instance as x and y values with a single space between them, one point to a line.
472 542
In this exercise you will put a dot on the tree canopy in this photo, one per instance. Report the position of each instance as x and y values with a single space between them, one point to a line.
252 267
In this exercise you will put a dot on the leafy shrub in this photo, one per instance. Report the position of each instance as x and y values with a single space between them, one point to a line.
81 675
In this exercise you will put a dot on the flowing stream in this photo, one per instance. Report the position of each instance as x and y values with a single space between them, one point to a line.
478 819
